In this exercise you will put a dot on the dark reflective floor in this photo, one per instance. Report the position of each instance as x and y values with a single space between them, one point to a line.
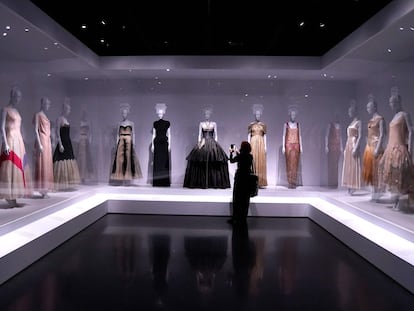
126 262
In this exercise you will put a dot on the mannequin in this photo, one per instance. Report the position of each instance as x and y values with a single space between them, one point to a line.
13 162
126 166
83 155
43 150
160 146
207 163
292 147
396 163
351 170
257 139
65 167
333 149
373 149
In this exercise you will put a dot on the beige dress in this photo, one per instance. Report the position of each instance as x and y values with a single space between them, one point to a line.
257 130
43 159
351 170
396 166
370 173
14 170
292 154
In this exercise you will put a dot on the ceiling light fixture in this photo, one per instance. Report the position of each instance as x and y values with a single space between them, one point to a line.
45 48
412 28
49 74
301 24
86 78
84 26
4 34
389 50
102 40
321 25
103 22
8 27
26 30
401 28
168 69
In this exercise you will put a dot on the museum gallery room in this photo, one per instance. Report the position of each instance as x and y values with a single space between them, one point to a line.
207 155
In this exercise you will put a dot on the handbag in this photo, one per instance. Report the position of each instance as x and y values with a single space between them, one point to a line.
253 183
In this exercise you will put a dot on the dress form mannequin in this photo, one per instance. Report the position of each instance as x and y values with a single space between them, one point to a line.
351 170
396 163
207 163
160 146
13 181
373 150
333 149
126 166
43 150
83 155
257 139
292 147
65 167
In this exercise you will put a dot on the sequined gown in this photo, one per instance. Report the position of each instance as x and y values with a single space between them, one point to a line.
396 165
14 169
370 167
351 169
292 154
126 165
207 164
161 163
43 170
257 131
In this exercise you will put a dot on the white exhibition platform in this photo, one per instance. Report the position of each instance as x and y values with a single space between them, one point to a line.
382 236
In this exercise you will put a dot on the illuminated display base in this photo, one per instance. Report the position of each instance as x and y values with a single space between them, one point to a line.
383 237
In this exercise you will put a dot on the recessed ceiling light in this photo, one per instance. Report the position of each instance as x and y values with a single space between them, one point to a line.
49 74
26 30
123 27
306 95
324 75
86 78
246 94
389 50
102 40
56 43
4 34
401 28
130 70
412 28
8 27
269 76
45 48
301 24
103 22
84 26
321 25
159 82
275 76
168 69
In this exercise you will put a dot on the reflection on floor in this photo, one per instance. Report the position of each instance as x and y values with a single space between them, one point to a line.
143 262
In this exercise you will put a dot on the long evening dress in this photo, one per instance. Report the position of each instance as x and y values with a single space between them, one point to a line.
396 165
65 167
83 155
351 170
43 170
207 164
334 153
370 168
126 165
257 131
161 163
292 154
14 169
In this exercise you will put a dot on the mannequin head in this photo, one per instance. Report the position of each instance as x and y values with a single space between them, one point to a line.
352 109
66 109
15 96
207 112
371 105
257 111
292 112
45 103
395 103
125 108
160 109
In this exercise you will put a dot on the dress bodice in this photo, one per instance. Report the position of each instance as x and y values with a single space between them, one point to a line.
13 121
161 127
257 128
398 131
208 133
125 130
374 131
292 134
